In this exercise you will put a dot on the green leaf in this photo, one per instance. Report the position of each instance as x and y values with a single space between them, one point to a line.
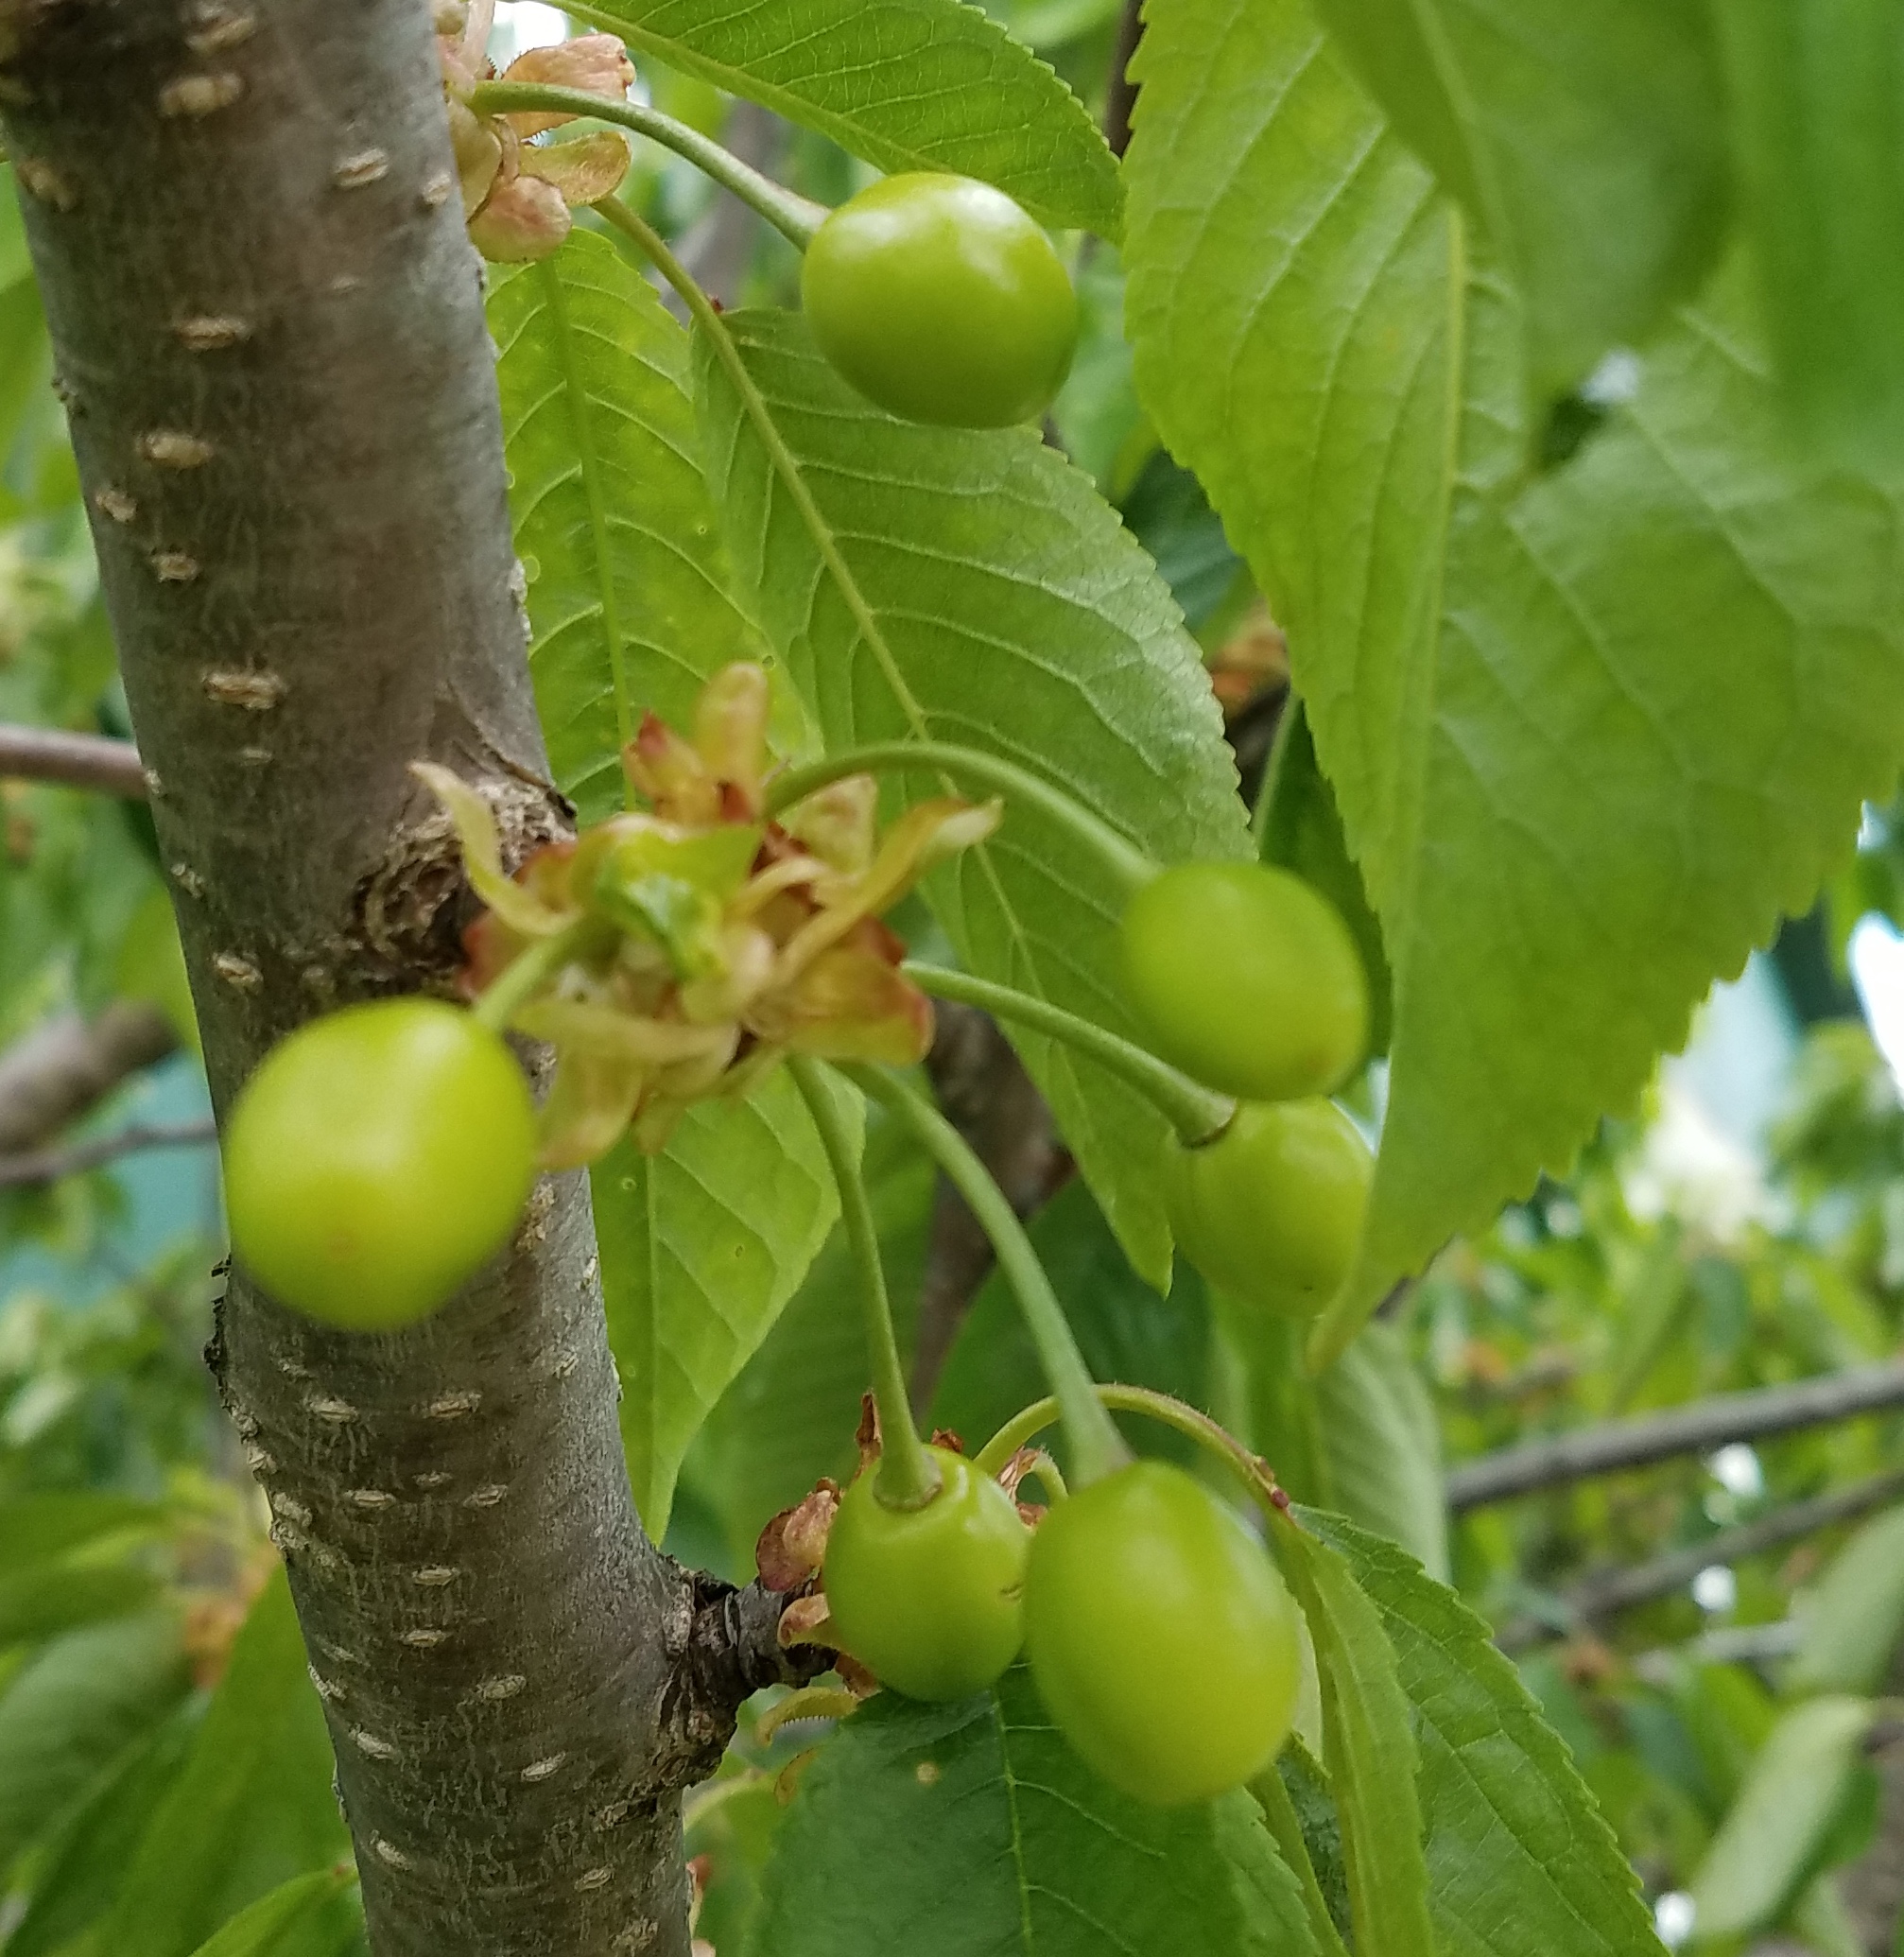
1124 1329
907 84
1521 1862
78 1870
1587 143
701 1247
74 1707
629 603
1591 732
49 1599
1368 1748
42 1528
310 1915
972 588
1299 826
1381 1448
253 1805
1817 100
1767 1846
1852 1616
972 1830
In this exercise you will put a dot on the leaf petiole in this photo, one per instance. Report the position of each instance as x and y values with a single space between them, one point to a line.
908 1476
1097 1447
794 216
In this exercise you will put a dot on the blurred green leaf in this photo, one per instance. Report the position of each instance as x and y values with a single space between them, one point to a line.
43 1528
1381 1448
1853 1615
310 1915
1770 1841
82 1864
1299 826
700 1247
253 1805
1817 102
1011 613
1124 1329
73 1709
629 603
1586 141
51 1597
908 85
972 1830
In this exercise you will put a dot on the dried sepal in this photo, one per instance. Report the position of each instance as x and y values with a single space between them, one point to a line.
792 1546
523 220
589 1107
477 150
839 823
584 171
597 64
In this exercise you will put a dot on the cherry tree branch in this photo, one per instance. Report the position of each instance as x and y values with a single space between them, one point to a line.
51 1165
76 760
68 1064
1695 1429
1603 1592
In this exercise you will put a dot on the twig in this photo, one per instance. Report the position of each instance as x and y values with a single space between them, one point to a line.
78 760
68 1064
1122 96
1600 1595
1707 1424
50 1165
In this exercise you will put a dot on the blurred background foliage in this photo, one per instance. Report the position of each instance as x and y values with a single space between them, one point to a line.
1743 1230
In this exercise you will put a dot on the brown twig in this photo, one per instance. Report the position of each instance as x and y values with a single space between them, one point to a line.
1602 1593
1694 1430
1122 96
51 1165
75 760
68 1064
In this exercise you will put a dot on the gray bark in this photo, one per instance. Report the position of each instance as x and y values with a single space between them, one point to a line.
269 336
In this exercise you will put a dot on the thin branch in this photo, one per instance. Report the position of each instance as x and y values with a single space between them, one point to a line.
76 760
68 1064
1601 1594
51 1165
1122 98
1694 1430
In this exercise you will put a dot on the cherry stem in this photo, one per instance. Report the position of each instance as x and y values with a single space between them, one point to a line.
529 972
1254 1472
909 1478
1128 866
1198 1113
794 216
1097 1447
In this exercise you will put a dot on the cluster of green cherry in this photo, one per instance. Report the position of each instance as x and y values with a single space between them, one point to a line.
379 1157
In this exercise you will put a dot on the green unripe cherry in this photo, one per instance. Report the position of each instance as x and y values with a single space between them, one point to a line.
376 1160
929 1599
941 300
1247 979
1162 1641
1271 1210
